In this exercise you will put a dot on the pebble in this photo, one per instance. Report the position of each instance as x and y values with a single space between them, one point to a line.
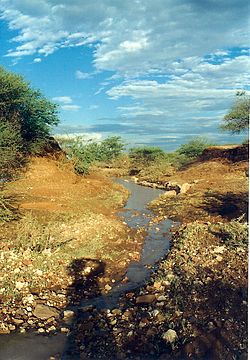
145 299
170 336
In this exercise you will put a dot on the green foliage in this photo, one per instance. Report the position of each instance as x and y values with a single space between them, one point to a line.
7 210
146 155
193 148
84 154
237 119
10 149
25 109
233 233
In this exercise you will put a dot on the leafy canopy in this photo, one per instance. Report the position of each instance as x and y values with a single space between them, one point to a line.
85 153
194 147
145 155
237 119
25 109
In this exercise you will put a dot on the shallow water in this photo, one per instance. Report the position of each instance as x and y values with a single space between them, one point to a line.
156 244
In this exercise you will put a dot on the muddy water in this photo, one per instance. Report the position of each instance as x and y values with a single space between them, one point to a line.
156 244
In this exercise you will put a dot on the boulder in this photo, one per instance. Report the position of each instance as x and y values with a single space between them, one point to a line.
169 193
185 187
45 312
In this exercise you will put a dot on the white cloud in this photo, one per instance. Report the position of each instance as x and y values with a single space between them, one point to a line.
71 107
85 136
63 99
82 75
204 88
37 60
132 37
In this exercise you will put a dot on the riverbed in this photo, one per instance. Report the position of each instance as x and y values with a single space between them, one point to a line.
156 244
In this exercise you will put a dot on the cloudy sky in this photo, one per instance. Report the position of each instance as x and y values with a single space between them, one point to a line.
156 72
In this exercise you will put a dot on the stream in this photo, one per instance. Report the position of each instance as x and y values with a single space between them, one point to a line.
31 346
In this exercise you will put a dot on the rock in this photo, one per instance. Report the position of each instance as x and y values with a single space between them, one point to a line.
64 330
170 336
219 249
4 330
68 316
17 321
169 193
145 299
20 285
107 287
219 258
12 327
161 298
45 312
41 331
185 187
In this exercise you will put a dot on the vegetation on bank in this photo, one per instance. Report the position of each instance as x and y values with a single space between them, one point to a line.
26 119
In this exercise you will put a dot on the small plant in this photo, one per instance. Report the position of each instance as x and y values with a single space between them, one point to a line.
34 236
7 210
233 233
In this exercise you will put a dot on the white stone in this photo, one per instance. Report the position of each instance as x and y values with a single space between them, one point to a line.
170 336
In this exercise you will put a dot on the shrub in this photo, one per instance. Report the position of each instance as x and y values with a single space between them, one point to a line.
84 154
233 233
194 148
7 210
10 149
146 155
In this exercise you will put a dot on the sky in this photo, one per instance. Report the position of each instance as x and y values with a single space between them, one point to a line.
155 72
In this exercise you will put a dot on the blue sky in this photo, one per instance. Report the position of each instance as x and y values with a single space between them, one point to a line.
156 72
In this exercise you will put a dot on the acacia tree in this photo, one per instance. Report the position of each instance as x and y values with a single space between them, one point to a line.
237 119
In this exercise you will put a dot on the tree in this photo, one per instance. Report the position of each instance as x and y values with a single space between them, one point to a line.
237 119
25 109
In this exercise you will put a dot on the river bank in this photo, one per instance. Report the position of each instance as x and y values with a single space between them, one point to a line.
193 306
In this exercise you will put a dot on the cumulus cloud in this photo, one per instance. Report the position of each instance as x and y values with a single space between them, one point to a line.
176 61
130 37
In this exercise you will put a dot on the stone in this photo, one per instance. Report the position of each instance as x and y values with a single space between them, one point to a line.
161 298
45 312
170 336
41 331
64 330
145 299
12 327
169 193
68 316
219 249
185 187
107 287
17 321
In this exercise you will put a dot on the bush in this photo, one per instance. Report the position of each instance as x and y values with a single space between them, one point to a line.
10 150
146 155
84 154
194 148
233 233
7 211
